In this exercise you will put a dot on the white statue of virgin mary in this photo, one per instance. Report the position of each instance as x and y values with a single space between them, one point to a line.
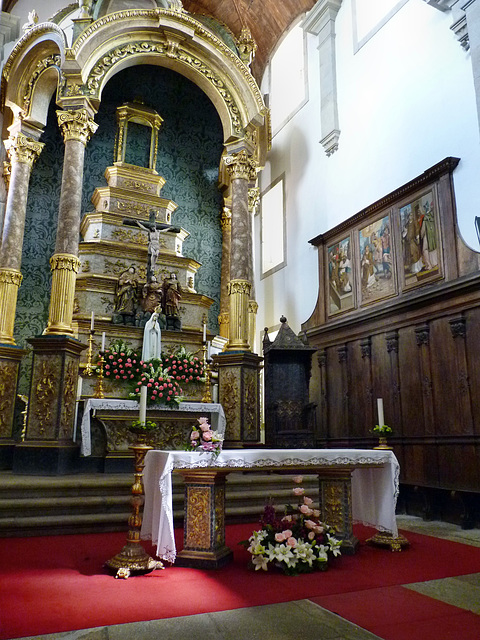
152 339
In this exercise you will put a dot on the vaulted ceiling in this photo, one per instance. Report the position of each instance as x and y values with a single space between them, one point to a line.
266 19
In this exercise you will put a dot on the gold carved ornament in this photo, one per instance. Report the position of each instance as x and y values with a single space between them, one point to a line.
231 403
69 398
8 379
76 125
45 395
198 531
333 504
42 65
253 199
171 50
10 277
21 148
226 219
243 287
64 262
241 166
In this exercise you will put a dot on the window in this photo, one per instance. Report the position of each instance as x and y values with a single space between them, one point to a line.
273 228
288 90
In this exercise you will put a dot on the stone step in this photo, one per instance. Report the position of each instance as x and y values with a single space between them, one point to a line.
94 503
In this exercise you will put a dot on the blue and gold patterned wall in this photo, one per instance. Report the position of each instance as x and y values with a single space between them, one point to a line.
189 150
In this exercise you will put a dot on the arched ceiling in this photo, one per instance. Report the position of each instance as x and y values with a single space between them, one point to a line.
266 19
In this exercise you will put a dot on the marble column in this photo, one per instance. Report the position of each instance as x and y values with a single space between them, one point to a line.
226 225
241 168
22 151
77 127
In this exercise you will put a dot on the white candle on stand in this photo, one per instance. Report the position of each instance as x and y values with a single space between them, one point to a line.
380 412
103 341
92 321
79 387
204 332
143 404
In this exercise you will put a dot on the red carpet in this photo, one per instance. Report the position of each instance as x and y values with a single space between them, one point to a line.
392 613
55 584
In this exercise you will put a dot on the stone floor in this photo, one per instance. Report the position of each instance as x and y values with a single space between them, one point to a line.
293 620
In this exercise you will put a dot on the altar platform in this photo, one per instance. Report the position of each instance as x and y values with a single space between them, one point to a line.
355 485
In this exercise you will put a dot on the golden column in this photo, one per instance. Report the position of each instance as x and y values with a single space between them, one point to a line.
77 127
242 170
22 151
253 200
226 225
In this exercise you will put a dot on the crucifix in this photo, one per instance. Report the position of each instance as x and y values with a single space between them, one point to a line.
154 229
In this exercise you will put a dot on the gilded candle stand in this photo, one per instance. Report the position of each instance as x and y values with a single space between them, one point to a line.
133 559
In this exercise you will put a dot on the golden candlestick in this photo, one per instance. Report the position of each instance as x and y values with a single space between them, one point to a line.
88 371
99 387
133 559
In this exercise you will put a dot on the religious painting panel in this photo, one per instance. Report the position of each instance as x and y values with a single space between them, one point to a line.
375 260
420 241
340 277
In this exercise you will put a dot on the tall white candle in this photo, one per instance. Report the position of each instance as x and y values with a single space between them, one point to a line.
79 387
143 404
92 321
204 332
103 341
380 412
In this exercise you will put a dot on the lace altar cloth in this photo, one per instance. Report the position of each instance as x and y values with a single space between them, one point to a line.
374 489
218 421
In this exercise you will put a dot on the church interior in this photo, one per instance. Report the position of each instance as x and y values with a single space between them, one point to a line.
254 215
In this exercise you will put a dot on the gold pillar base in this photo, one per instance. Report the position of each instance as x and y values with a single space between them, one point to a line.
10 357
64 272
335 497
10 280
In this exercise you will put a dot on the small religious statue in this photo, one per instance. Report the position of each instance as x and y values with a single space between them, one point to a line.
172 296
152 295
126 297
32 21
154 229
152 338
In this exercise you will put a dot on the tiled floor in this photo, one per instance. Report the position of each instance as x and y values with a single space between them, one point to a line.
295 620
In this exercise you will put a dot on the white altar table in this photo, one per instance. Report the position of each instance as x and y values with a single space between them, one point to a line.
374 484
92 405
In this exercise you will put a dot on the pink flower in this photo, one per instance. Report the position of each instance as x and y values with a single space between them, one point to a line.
306 510
207 435
194 435
298 491
310 524
279 537
149 384
316 513
297 479
311 535
292 542
117 377
318 529
287 533
307 500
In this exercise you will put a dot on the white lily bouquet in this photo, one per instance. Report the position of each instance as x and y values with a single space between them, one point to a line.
297 542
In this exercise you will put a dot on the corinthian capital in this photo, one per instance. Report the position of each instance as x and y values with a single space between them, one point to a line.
226 219
241 165
21 148
76 125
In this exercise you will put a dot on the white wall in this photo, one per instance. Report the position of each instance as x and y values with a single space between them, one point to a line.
405 101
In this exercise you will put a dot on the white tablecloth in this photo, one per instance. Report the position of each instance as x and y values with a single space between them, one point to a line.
94 404
374 490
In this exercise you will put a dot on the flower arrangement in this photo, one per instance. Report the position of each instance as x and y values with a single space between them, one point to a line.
382 430
297 542
183 366
204 439
162 377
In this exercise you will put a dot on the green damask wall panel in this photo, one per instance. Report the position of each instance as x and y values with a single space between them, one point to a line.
190 146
